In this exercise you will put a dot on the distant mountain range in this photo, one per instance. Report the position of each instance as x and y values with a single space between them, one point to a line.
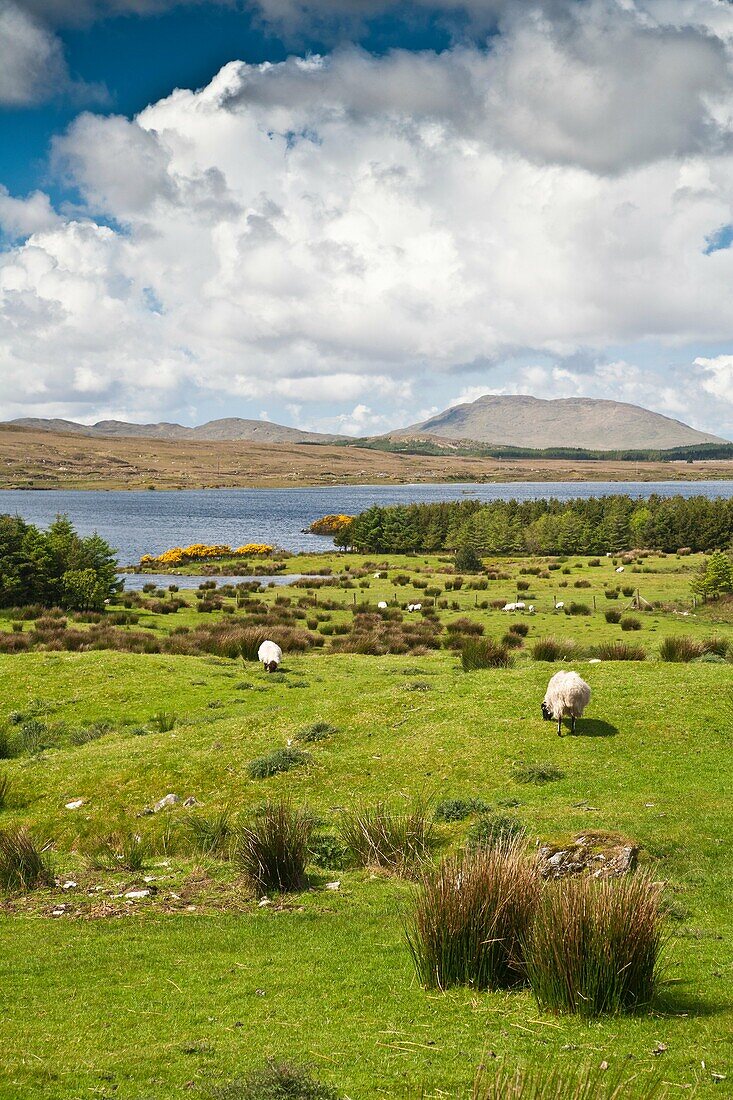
518 421
232 427
512 421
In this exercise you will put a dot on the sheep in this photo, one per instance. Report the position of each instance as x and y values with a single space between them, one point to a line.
382 605
559 605
530 609
414 607
567 696
270 655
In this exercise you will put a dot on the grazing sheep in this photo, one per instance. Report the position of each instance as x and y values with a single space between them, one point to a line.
620 569
382 605
559 605
518 606
567 696
271 655
530 609
414 607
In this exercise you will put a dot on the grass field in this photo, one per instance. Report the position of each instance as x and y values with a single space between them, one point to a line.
196 982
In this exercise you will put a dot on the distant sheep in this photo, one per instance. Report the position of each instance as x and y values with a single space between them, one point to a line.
270 655
382 605
567 696
559 605
414 607
518 606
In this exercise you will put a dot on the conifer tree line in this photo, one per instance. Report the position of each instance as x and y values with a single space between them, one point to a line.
596 525
56 567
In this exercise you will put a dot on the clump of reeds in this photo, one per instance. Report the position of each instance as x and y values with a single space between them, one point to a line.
276 1080
318 731
594 946
564 1083
272 848
555 649
680 648
619 651
472 916
122 850
211 833
478 653
24 863
378 836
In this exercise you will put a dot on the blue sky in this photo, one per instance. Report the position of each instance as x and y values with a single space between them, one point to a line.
348 225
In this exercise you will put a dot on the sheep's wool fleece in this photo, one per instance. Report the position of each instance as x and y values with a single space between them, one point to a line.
270 651
567 694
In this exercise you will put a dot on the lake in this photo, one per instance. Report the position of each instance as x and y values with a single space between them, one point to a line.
145 522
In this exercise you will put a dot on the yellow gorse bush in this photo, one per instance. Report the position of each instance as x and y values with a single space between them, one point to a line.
329 525
199 551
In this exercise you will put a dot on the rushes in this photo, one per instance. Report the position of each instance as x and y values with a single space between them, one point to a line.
23 862
123 850
479 653
211 833
272 850
378 837
561 1083
594 946
472 915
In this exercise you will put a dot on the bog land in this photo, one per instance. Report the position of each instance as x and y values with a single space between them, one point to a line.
32 459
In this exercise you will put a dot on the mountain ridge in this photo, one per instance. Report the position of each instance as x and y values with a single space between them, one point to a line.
516 420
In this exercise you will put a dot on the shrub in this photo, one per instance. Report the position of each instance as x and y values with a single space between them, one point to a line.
536 773
493 828
480 653
716 645
613 615
574 608
377 836
276 1081
281 760
24 863
554 649
582 583
471 916
680 648
123 850
272 849
595 945
211 833
458 809
629 622
523 586
465 626
521 629
319 731
611 593
619 651
511 641
467 561
628 590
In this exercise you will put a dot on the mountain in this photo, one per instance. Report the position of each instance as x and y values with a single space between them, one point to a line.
519 421
257 431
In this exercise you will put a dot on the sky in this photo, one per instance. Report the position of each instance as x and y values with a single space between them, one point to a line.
347 215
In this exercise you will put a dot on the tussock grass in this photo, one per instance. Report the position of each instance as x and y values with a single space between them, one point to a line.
619 651
378 836
594 946
211 834
471 917
272 848
281 760
478 653
275 1080
564 1083
555 649
163 721
122 850
318 731
680 648
24 863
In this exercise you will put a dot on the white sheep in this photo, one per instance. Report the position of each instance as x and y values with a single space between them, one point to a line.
531 609
620 569
382 605
567 696
414 607
270 655
559 605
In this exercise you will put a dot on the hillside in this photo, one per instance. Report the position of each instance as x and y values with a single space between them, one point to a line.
233 427
521 421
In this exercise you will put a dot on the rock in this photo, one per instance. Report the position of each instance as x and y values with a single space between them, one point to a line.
333 885
77 802
169 800
601 855
263 902
190 802
69 885
59 911
135 895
